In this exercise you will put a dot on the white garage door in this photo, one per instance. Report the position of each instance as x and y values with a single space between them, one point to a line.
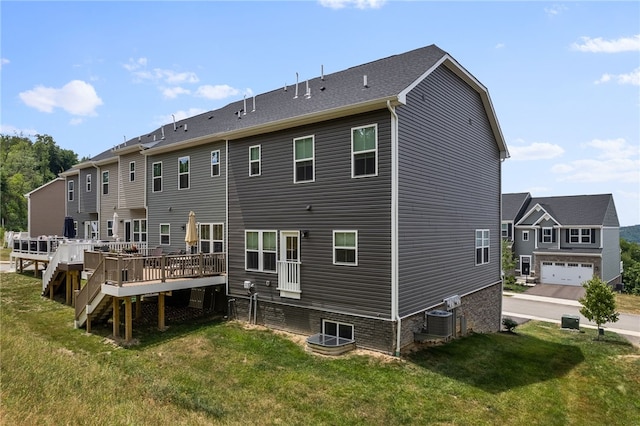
565 273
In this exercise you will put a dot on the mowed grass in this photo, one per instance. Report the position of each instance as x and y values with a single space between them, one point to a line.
212 372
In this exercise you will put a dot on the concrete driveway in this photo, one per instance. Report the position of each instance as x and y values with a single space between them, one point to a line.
569 292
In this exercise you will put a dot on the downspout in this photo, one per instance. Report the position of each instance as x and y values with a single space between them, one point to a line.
394 227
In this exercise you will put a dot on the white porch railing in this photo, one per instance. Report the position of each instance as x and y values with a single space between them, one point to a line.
289 279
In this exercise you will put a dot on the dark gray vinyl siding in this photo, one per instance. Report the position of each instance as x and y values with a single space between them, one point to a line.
73 206
131 193
449 186
108 202
205 196
273 202
88 200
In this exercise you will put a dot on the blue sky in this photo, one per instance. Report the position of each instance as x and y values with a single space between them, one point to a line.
564 77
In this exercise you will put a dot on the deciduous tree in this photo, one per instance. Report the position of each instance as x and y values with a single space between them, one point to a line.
599 303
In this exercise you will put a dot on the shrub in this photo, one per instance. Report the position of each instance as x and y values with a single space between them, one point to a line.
509 324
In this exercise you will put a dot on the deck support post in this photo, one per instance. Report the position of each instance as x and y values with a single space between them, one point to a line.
36 268
128 327
68 283
138 306
161 326
116 317
20 262
88 323
75 287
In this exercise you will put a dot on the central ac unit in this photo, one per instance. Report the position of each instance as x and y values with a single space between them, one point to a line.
439 323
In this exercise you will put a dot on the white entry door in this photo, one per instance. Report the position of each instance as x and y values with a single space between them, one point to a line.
289 265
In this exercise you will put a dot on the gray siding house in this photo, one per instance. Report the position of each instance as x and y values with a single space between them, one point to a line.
46 208
81 198
563 240
376 199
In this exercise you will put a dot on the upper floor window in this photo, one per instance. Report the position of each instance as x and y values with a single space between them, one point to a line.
482 246
580 235
303 159
105 183
345 248
548 235
183 173
109 228
505 230
364 151
254 160
525 235
165 234
132 171
88 183
215 163
70 190
157 176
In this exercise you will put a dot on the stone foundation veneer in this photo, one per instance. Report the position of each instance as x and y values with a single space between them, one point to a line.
482 311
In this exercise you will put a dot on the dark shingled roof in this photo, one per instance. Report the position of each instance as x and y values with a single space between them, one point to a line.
513 204
579 210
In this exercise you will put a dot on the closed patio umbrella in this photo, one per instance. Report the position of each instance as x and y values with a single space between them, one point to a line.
191 237
114 227
69 230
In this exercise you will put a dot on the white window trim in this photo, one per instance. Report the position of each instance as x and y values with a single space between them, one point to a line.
544 237
137 235
153 178
211 240
338 324
88 183
105 184
218 163
313 159
132 171
259 160
109 228
353 153
261 250
482 246
525 235
348 248
580 236
188 172
71 190
167 234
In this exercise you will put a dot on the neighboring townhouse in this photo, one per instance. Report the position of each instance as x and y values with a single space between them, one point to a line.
46 209
355 204
82 199
184 178
564 239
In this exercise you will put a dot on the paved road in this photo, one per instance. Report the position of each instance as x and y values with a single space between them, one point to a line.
551 309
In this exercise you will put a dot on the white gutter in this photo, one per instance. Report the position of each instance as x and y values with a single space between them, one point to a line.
394 226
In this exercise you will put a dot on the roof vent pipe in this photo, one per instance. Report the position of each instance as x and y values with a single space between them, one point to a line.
307 95
296 96
244 107
174 122
185 127
364 81
322 72
162 128
254 104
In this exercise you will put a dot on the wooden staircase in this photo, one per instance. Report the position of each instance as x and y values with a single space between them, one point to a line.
91 303
58 278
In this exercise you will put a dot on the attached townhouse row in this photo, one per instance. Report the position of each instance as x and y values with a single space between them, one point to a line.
351 204
565 239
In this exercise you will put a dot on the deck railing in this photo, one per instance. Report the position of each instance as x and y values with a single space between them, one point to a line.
289 276
121 269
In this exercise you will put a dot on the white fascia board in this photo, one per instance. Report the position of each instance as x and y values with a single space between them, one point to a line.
546 215
28 194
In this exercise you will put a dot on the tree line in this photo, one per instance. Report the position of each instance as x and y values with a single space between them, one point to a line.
25 165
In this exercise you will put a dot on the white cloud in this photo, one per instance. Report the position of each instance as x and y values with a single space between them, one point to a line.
135 64
555 10
359 4
138 68
615 161
500 46
75 121
535 151
598 45
76 97
632 78
216 92
179 115
3 62
8 129
174 92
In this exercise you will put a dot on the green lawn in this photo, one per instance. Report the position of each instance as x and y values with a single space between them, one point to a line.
212 372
